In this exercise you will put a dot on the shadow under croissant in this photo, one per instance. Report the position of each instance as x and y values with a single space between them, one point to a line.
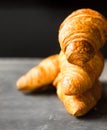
44 90
99 111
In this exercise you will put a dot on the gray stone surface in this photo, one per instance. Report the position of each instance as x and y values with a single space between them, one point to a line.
42 110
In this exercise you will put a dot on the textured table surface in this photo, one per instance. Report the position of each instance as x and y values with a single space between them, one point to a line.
42 111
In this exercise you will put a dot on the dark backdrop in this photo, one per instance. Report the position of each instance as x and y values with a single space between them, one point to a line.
30 28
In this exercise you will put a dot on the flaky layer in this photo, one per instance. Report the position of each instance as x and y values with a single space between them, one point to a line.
40 75
82 34
76 79
79 105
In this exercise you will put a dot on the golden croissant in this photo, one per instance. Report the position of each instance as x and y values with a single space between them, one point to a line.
76 69
39 76
79 105
82 34
76 79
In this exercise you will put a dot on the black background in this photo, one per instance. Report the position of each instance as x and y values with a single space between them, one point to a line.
30 28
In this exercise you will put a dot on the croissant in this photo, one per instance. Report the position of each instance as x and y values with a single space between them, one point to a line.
42 74
82 34
79 105
76 79
75 71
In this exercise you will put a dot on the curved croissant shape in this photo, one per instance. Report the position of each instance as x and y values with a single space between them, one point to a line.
82 34
39 76
76 79
79 105
75 71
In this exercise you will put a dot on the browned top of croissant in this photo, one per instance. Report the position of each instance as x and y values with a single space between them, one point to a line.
81 34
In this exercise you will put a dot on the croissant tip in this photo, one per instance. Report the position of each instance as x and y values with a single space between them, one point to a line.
20 84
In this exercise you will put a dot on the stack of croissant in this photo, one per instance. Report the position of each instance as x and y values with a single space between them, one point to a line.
76 69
